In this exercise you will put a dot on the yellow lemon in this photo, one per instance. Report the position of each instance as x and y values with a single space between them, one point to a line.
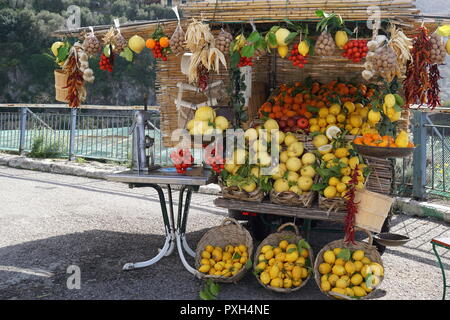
338 270
377 269
389 100
323 112
337 251
277 283
347 171
320 140
358 255
356 279
204 261
350 267
277 250
291 257
287 283
350 106
358 265
341 153
324 278
330 192
366 289
341 187
329 257
366 260
261 265
324 268
341 284
280 257
340 262
204 268
339 290
269 255
264 277
331 119
332 279
206 255
305 183
349 292
359 292
325 286
300 261
341 117
374 116
356 121
335 109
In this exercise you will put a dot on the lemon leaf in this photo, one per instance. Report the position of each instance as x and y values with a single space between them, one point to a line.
368 281
291 250
248 264
303 244
127 54
214 288
345 254
236 255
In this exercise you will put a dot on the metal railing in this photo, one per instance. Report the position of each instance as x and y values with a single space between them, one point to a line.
100 134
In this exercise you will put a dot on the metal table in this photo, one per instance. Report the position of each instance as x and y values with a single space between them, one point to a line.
174 230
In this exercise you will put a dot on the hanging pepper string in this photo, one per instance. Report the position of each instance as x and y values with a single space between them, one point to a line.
352 209
433 98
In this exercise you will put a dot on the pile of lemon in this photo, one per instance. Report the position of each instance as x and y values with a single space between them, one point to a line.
226 262
338 185
356 118
285 266
354 277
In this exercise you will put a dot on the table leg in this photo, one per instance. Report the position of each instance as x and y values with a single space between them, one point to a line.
183 210
171 222
170 235
442 270
306 227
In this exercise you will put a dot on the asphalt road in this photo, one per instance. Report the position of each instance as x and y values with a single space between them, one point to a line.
49 222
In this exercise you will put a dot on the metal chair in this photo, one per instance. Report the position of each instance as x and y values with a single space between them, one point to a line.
444 243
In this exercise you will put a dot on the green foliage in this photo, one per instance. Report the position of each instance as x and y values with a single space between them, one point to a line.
26 36
41 149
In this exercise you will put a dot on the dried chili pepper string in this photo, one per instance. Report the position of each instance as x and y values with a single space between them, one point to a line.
352 209
434 90
417 81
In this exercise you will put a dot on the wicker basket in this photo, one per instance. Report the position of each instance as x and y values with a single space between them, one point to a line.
237 194
273 240
289 198
370 251
230 232
332 204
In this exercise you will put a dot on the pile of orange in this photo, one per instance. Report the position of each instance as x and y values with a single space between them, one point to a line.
375 140
291 101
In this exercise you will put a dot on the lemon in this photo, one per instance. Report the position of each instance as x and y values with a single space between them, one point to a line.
216 255
356 121
273 271
328 157
281 34
355 131
324 278
305 183
341 187
251 134
389 100
356 279
329 192
281 185
341 153
346 180
329 257
287 283
136 43
221 122
320 140
358 255
350 267
365 270
308 159
363 112
271 124
359 291
301 261
291 257
314 128
332 132
322 124
353 162
206 255
266 248
374 116
264 277
308 171
377 269
269 255
349 292
204 261
358 266
337 251
366 289
325 149
332 279
333 181
323 112
366 260
289 139
296 189
293 164
204 268
338 270
331 119
339 290
341 38
303 48
340 262
374 281
277 283
347 171
344 160
335 109
204 113
249 187
350 106
283 244
280 257
295 149
325 286
341 284
304 253
341 117
324 268
292 176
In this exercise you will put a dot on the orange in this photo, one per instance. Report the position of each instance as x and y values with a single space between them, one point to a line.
164 42
358 140
308 115
150 43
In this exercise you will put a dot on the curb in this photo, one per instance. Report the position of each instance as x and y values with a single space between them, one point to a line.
91 169
412 207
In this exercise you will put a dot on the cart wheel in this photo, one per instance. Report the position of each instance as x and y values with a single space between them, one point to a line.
385 228
258 228
236 214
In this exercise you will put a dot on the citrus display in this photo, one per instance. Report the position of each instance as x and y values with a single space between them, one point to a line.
224 262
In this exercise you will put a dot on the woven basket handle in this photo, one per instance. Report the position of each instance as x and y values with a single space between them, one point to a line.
369 234
289 224
231 220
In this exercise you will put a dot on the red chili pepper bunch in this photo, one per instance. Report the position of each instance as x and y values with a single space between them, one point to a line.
182 159
433 99
215 159
417 82
352 209
355 50
75 82
298 60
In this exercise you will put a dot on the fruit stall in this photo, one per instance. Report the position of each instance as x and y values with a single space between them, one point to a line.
299 109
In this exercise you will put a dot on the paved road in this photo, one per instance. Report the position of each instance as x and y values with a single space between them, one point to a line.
49 222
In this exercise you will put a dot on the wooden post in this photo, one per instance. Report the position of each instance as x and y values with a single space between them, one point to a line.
420 155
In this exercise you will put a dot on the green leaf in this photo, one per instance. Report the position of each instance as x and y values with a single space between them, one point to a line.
272 39
303 244
320 13
235 57
214 288
236 255
205 295
345 254
291 250
106 51
127 54
63 53
319 186
312 109
397 108
248 264
368 281
248 51
254 36
291 37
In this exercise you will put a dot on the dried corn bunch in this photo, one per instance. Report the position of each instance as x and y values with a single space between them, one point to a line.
177 41
200 41
223 41
325 45
91 45
438 51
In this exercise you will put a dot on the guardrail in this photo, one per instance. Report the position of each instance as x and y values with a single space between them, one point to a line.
73 133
